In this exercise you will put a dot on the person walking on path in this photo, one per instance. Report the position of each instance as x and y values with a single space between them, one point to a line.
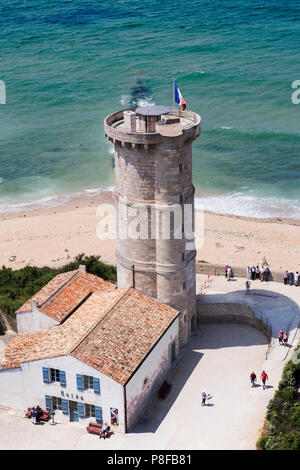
33 415
248 272
296 278
39 413
248 287
253 379
203 399
253 273
285 338
226 270
291 278
285 277
228 273
280 337
264 377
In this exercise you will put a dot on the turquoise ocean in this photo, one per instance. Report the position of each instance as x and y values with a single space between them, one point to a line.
66 64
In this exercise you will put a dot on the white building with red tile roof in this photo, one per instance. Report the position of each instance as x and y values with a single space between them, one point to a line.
58 299
106 353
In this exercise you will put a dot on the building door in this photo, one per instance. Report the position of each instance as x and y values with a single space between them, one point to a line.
74 415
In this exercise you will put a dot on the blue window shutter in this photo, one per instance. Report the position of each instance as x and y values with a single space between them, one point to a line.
96 383
62 378
98 413
46 375
79 381
81 410
48 402
65 406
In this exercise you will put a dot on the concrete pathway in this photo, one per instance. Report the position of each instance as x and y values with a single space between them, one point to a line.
280 304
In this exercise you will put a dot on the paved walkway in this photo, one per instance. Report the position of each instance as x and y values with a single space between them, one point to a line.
217 359
280 304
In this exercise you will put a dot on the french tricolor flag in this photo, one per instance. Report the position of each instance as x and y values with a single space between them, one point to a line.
178 97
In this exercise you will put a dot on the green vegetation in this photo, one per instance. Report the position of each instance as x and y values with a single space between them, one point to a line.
16 287
282 429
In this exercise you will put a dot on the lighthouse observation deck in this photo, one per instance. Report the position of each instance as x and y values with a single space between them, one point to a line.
150 124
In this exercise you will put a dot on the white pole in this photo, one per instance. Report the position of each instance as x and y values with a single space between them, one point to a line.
174 95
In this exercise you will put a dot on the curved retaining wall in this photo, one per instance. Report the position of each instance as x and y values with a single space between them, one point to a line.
231 313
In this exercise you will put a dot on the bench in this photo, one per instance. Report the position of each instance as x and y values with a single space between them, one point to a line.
95 428
164 390
44 417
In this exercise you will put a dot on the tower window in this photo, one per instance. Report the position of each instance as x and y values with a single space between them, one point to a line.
180 167
181 197
184 285
183 256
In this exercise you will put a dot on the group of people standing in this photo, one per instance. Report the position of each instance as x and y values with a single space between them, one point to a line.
228 272
255 272
291 279
283 337
35 414
264 377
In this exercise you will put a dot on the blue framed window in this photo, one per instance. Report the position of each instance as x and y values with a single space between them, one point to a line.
65 406
48 402
86 382
54 375
98 414
81 410
46 375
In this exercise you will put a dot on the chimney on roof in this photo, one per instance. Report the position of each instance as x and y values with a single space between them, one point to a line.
34 304
82 267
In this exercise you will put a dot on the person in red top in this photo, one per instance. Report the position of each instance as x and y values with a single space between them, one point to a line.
264 377
252 379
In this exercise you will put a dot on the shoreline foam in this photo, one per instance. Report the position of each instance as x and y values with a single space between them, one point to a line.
54 235
70 201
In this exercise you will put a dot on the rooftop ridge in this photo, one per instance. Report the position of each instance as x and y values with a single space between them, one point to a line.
35 296
109 309
77 271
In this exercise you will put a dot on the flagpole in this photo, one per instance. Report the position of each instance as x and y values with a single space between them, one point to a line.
174 96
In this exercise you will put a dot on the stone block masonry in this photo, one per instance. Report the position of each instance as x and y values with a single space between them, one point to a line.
153 168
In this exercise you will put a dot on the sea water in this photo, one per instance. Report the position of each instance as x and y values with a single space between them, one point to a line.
66 64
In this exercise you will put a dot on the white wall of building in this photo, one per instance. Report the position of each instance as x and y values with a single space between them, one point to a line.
25 388
34 321
11 388
153 370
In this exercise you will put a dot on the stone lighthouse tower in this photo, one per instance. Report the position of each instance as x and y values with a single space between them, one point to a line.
154 192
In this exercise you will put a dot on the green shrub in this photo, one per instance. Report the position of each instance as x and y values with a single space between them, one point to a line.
295 417
291 441
283 413
261 443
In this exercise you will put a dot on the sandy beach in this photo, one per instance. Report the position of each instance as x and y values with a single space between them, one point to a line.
54 235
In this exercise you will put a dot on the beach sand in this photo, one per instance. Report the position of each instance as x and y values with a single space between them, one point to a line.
53 236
